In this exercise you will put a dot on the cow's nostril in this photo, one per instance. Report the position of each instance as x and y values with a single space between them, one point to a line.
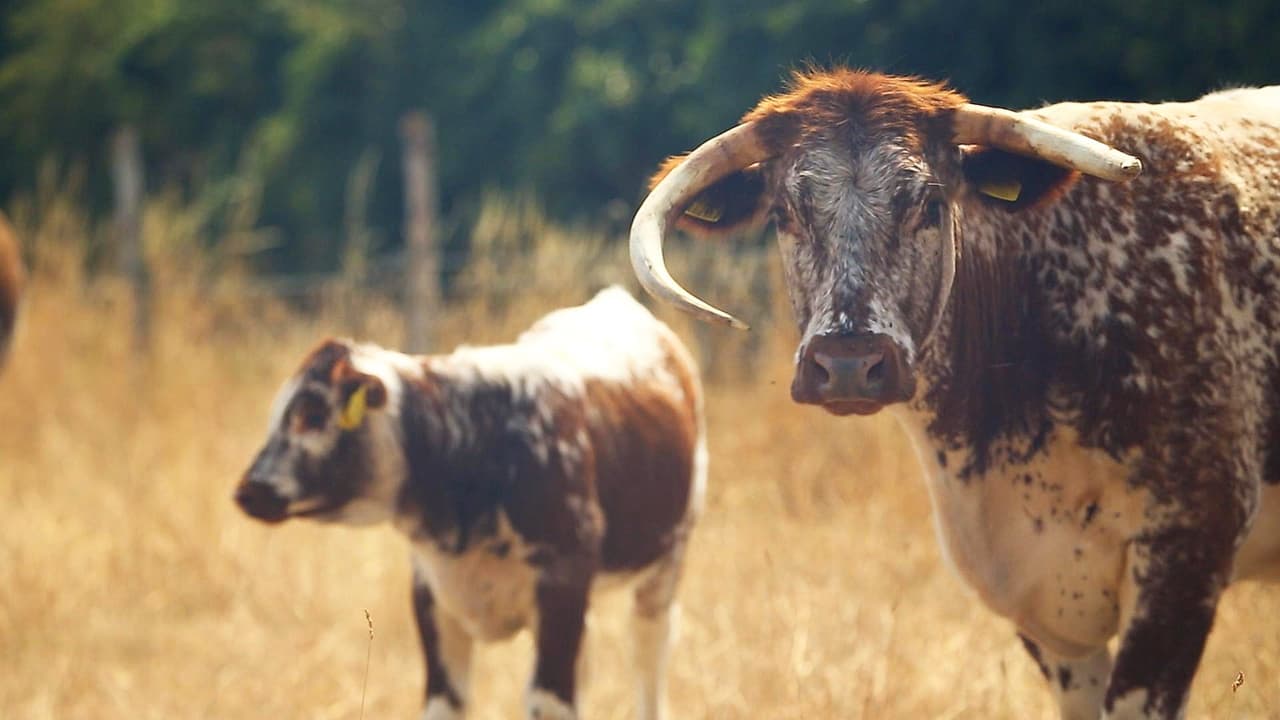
820 373
876 375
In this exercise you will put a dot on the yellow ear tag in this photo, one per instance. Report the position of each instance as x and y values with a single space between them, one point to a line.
1007 191
704 211
353 413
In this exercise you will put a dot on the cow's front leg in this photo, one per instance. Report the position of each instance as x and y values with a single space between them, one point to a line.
1078 684
1168 601
562 607
447 650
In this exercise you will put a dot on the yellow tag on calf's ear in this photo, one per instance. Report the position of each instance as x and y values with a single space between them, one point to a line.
704 211
353 414
1007 191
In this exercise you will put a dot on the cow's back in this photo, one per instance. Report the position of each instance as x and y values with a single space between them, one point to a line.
1229 139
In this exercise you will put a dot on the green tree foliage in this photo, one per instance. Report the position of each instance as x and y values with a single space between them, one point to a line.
195 78
574 101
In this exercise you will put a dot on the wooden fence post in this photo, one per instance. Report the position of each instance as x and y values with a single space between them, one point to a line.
358 241
127 180
422 281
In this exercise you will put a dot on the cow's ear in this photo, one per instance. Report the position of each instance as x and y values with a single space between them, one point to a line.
734 203
1014 182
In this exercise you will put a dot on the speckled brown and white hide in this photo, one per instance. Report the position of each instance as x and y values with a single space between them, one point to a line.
11 278
1088 372
526 476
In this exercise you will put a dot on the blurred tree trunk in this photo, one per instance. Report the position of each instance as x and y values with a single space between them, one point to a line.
128 183
422 280
359 242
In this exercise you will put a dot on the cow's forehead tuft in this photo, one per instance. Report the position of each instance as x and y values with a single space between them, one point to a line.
820 101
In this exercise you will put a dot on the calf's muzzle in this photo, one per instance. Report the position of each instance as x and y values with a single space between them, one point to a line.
261 500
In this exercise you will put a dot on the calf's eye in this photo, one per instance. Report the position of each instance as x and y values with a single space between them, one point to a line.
314 420
310 413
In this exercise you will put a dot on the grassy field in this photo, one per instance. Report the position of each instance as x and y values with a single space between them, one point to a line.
130 587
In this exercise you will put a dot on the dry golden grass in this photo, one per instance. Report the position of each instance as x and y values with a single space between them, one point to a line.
132 588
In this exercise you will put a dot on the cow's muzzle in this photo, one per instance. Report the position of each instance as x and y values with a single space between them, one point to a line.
261 500
848 374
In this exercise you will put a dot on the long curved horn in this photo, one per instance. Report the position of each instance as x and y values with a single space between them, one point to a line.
713 160
1018 133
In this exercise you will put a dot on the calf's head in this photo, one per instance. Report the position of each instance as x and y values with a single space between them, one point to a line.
332 450
863 176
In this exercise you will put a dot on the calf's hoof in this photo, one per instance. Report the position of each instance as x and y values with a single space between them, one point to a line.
546 706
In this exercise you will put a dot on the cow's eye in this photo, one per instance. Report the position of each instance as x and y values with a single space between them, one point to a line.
932 217
781 218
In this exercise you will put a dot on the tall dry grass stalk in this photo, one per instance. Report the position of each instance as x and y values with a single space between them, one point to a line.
368 657
130 587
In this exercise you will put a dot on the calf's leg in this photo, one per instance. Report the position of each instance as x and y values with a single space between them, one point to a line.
655 614
446 648
562 607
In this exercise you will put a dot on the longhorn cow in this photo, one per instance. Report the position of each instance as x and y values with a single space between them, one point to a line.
1073 312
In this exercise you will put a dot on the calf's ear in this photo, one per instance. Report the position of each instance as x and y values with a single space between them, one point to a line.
734 203
358 393
1014 182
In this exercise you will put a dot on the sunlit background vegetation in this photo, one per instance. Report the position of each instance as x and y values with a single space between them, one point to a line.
131 587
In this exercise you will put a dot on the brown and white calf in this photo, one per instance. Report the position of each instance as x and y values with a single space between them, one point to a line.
10 286
526 476
1080 342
